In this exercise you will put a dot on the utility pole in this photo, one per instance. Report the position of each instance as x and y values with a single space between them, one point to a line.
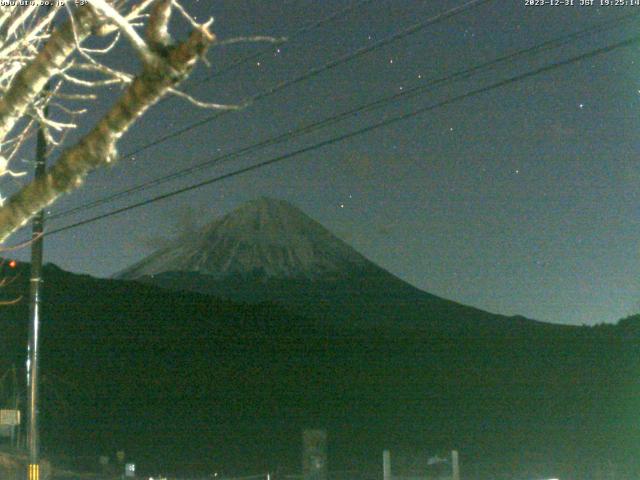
34 314
386 465
455 465
16 407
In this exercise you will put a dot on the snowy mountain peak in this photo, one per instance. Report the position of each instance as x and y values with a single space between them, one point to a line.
265 237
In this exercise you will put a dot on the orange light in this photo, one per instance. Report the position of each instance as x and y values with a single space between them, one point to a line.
13 264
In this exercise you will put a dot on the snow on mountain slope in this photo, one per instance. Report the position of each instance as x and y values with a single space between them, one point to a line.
265 238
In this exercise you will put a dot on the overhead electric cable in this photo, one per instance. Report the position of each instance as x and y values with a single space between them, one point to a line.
591 54
298 33
411 92
318 70
303 30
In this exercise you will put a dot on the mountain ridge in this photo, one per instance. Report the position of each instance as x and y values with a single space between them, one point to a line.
265 237
269 250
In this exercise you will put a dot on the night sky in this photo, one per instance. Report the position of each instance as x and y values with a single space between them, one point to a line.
520 200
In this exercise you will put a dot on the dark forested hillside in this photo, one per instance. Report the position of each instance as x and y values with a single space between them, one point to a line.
184 381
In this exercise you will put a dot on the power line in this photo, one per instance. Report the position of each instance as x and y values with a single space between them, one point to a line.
298 33
307 28
313 72
361 131
318 70
456 76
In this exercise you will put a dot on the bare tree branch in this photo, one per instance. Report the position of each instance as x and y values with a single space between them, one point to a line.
30 81
255 38
98 147
157 32
32 53
141 47
200 104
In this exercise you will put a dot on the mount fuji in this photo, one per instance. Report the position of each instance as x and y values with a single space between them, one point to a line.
268 250
262 239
